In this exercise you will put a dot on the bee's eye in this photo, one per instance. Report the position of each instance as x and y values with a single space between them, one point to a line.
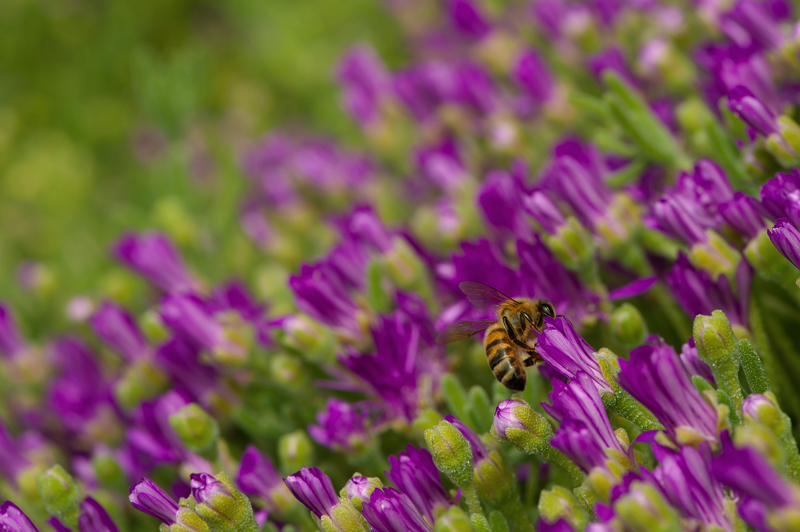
547 310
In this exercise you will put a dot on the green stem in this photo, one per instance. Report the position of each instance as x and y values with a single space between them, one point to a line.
515 514
476 515
625 406
552 455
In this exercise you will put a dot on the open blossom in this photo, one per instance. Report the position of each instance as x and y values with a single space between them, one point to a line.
568 353
341 425
655 376
116 328
154 257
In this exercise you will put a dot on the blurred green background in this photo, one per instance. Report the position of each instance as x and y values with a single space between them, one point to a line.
124 114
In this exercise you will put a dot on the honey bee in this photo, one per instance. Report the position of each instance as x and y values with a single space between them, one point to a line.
506 341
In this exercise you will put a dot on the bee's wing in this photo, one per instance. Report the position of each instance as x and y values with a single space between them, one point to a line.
462 329
481 295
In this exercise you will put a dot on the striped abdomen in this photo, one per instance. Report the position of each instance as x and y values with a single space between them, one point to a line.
502 356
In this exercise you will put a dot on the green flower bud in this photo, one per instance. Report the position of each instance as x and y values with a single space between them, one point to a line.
717 347
762 254
573 245
197 429
427 419
60 494
403 265
493 480
344 517
295 450
223 507
142 380
306 335
453 520
783 145
288 370
560 503
108 471
715 256
451 453
152 327
628 326
643 509
186 520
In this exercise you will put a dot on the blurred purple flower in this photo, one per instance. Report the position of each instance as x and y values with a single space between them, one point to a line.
742 213
780 196
441 164
532 74
12 519
500 199
94 518
364 80
692 363
188 316
11 342
340 426
117 329
543 209
155 258
698 294
744 104
258 476
466 19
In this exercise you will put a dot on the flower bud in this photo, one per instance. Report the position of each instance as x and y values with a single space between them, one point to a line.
344 518
12 519
628 326
221 505
716 346
142 380
516 422
643 509
572 244
294 450
453 520
108 471
197 430
767 260
763 411
358 489
60 494
560 503
153 327
451 452
715 255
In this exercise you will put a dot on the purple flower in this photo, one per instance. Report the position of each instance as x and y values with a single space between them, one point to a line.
151 437
77 394
425 86
388 510
441 163
743 214
568 353
786 238
364 80
744 104
611 59
698 294
562 525
11 343
234 296
257 475
116 328
585 434
542 275
205 486
404 351
692 363
680 219
505 417
147 497
532 74
780 197
12 519
361 487
758 486
751 26
577 177
341 426
321 294
686 481
94 518
12 460
476 89
467 20
314 489
500 199
153 256
542 208
414 473
655 376
188 316
362 226
181 359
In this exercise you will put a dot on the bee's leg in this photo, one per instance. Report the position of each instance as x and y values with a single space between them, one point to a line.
530 351
528 362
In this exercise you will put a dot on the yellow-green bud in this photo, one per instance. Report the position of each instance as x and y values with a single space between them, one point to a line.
628 326
359 489
643 509
295 450
717 347
451 453
197 430
60 494
141 380
453 520
560 503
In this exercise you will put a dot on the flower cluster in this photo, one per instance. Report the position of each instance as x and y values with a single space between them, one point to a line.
625 172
